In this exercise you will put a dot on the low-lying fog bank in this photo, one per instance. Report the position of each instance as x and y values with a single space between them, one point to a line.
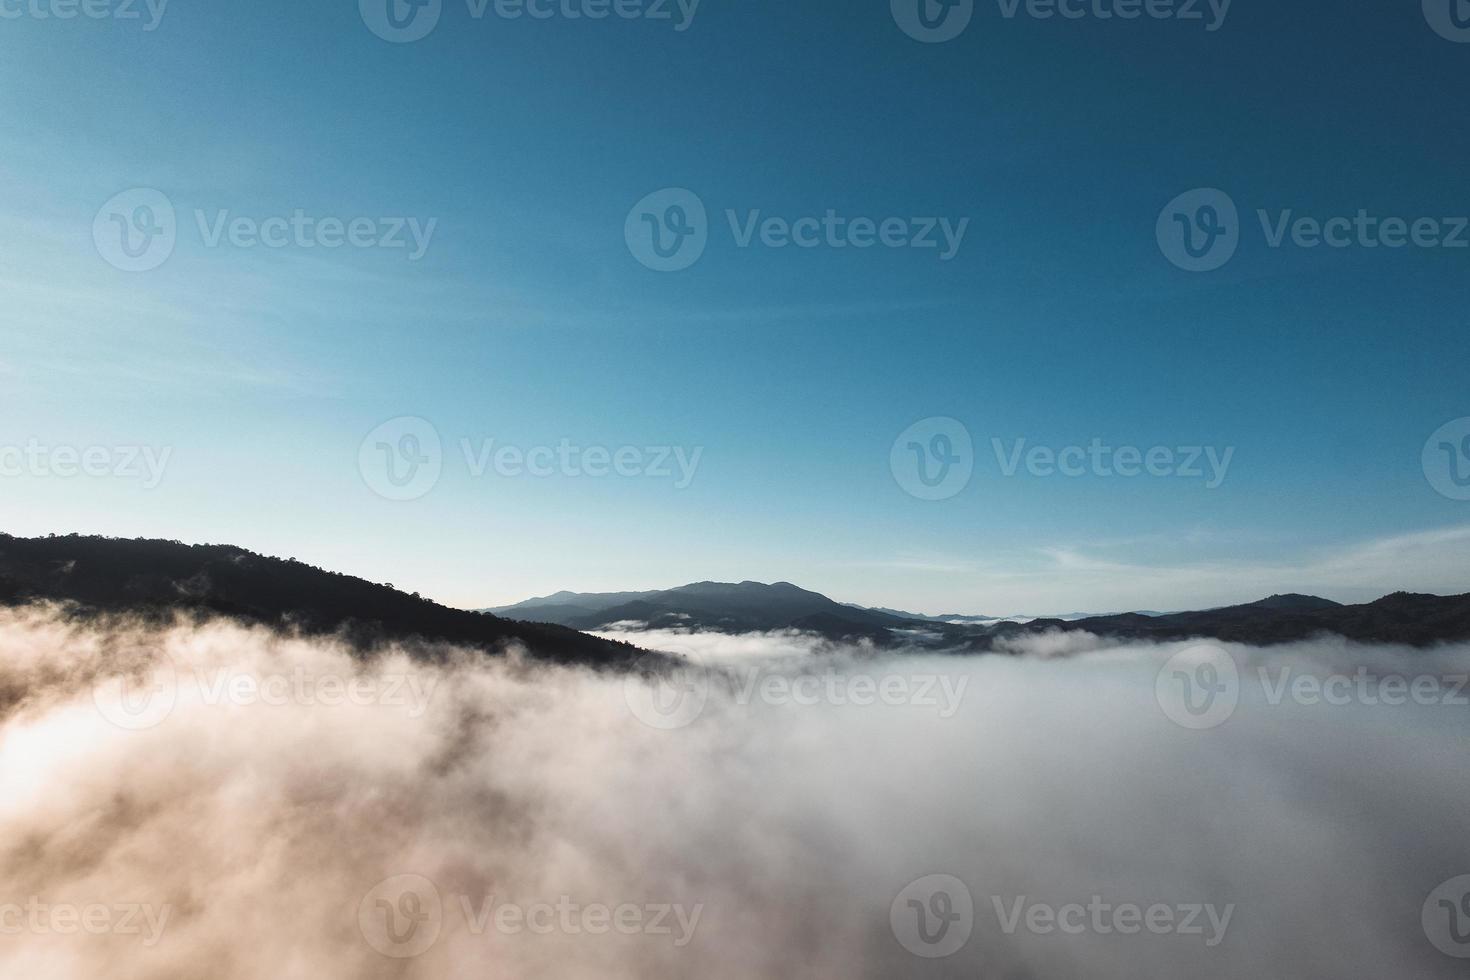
251 806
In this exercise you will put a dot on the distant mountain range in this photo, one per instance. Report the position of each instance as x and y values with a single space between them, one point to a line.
160 578
751 606
730 608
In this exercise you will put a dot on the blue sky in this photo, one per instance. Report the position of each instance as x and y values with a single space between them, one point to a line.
528 320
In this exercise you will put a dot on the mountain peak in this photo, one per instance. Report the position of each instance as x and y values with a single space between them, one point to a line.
1295 600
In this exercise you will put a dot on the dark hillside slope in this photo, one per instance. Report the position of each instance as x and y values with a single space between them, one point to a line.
155 577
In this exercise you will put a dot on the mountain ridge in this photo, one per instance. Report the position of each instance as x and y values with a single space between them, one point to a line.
152 577
1408 618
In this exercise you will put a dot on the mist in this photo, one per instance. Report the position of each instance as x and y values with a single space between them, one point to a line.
217 800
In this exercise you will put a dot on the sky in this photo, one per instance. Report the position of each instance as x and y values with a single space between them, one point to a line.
395 307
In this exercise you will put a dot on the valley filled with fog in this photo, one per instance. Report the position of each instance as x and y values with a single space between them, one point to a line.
237 803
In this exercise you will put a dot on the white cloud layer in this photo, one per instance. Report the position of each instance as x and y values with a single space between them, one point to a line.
271 785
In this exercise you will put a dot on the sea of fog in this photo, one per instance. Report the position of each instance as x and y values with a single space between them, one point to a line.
225 802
